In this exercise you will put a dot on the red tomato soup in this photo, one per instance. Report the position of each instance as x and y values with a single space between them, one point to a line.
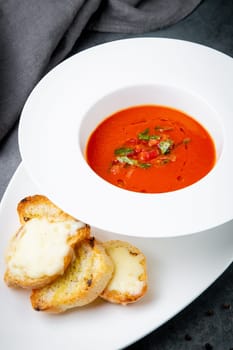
150 149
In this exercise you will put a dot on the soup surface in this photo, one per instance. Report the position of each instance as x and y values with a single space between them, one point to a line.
150 149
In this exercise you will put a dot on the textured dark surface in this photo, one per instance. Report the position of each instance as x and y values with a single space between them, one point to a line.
37 35
205 324
208 322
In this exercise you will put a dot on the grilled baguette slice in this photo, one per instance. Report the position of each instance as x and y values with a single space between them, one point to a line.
129 280
42 248
39 206
83 281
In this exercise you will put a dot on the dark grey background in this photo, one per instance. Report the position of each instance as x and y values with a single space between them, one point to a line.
208 322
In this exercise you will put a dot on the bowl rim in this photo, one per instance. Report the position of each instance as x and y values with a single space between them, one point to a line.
52 114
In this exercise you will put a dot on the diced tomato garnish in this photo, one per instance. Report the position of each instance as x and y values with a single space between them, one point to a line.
144 142
147 155
153 142
138 149
115 161
115 169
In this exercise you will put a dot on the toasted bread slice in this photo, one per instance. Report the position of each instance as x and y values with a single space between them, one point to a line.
42 248
39 206
129 280
83 281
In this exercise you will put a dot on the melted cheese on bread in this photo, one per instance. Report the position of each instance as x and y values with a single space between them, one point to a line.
129 280
42 247
127 271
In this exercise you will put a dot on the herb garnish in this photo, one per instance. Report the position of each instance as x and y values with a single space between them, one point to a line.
144 135
165 146
147 150
127 160
123 151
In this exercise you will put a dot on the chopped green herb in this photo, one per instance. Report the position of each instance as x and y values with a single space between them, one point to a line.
155 137
127 160
144 165
165 146
123 151
144 135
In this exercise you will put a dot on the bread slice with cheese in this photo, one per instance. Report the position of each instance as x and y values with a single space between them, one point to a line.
83 281
129 281
43 247
39 206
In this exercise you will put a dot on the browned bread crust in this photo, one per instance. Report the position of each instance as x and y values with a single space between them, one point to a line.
83 281
40 208
129 281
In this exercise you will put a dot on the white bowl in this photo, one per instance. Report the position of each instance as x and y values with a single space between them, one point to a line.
73 98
